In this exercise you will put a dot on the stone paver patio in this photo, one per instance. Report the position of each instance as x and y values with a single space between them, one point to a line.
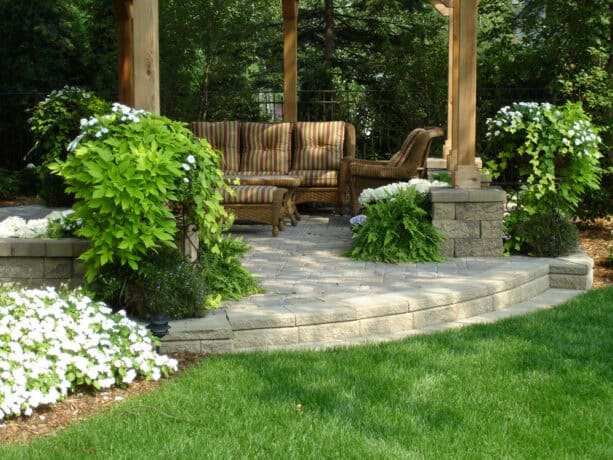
316 298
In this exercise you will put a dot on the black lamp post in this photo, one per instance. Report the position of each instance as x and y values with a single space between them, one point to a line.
159 326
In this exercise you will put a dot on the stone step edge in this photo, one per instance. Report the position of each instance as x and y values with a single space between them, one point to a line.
542 301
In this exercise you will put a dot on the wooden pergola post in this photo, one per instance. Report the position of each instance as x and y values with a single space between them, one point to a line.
459 148
123 11
139 69
290 60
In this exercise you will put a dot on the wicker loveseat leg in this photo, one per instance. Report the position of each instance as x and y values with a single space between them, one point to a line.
253 203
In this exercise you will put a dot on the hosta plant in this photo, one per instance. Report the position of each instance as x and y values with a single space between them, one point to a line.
52 343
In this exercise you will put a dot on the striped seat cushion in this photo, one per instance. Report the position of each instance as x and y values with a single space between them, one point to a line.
401 155
249 194
317 178
319 145
266 148
224 136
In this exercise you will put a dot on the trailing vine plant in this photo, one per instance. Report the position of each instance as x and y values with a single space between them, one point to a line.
556 151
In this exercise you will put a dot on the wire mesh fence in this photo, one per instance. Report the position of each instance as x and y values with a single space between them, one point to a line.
382 121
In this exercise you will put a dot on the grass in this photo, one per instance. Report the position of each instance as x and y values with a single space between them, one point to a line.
535 386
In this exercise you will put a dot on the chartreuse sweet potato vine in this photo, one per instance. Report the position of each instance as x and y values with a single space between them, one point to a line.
124 168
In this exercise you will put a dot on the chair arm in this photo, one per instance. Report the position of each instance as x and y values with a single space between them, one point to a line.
378 171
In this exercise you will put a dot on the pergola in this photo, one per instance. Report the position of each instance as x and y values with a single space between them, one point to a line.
139 81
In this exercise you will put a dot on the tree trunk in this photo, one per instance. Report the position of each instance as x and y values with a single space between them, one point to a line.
329 43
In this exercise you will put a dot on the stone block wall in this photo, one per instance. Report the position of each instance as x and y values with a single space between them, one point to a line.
471 220
41 262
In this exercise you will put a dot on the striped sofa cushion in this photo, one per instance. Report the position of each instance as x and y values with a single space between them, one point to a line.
319 145
401 155
249 194
316 178
266 147
224 136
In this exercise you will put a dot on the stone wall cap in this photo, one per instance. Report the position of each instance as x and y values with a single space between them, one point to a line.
458 195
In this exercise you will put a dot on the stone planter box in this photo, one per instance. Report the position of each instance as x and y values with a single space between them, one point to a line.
42 262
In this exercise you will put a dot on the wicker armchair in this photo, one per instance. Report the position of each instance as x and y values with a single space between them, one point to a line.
407 163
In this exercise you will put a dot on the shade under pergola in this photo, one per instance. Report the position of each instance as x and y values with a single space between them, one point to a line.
139 71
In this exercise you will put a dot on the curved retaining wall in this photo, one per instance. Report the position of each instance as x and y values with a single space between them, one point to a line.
41 262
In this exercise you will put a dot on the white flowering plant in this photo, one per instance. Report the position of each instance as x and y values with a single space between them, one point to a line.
55 225
556 152
556 148
372 195
52 343
124 169
396 225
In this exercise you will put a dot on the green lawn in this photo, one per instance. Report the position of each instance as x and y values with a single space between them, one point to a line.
535 386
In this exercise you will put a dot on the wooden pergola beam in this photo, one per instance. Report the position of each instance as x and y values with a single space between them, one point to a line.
290 60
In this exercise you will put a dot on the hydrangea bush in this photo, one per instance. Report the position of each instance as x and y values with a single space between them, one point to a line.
396 225
52 343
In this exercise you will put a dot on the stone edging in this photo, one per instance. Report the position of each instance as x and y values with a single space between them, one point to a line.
39 262
362 318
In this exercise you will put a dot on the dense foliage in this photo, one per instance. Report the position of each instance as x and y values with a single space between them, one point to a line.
53 343
124 168
556 152
53 124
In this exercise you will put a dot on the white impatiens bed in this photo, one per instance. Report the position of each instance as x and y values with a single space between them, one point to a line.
54 342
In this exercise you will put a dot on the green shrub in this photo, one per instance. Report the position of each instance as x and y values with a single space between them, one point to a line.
398 229
225 277
8 185
54 123
28 182
165 282
124 169
549 234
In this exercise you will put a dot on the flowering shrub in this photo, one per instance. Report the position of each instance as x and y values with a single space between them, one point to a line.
557 149
396 225
54 122
17 227
51 343
557 152
124 168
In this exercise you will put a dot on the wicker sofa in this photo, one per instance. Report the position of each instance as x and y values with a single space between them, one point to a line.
273 154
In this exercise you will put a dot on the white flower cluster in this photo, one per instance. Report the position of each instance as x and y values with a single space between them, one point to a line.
52 343
93 126
188 165
17 227
423 186
67 89
510 119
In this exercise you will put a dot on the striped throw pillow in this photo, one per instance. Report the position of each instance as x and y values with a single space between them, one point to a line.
266 147
224 136
319 145
316 178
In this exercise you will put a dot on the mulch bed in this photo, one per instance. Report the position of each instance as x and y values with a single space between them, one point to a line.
595 239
